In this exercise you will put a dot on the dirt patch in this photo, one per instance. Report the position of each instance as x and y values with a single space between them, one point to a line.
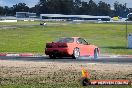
59 72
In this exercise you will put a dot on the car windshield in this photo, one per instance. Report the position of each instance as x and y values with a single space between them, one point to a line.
65 40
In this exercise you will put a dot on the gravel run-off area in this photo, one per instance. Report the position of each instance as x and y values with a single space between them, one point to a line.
59 72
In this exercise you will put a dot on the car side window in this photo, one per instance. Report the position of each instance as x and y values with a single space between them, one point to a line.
81 41
66 40
69 40
84 42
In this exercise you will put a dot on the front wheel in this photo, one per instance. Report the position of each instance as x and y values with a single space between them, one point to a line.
96 54
76 53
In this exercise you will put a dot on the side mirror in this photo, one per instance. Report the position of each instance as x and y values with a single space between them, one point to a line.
88 43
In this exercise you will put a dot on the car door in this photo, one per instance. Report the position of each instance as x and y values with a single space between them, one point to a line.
89 49
84 47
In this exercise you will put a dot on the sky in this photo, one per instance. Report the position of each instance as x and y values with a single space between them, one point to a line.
31 3
129 2
10 3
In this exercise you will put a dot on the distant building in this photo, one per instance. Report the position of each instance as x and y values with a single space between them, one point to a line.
25 15
62 17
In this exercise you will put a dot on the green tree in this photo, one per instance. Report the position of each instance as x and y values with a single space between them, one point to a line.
20 7
84 9
1 10
76 6
120 9
55 6
104 9
92 8
8 11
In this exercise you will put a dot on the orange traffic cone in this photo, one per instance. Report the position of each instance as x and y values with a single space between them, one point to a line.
85 80
85 73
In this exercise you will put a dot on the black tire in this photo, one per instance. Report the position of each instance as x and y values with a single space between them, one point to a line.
96 53
85 82
52 57
76 53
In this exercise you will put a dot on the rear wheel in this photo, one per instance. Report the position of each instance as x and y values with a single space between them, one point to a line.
52 56
96 54
76 53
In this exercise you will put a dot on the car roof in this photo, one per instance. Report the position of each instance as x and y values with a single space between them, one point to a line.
71 37
76 37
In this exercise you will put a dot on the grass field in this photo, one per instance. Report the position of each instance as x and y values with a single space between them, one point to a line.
30 37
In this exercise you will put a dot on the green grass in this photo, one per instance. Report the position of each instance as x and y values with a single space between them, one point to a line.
109 37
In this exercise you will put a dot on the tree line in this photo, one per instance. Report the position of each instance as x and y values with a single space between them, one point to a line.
69 7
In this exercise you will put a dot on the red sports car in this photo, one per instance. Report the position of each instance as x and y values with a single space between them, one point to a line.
71 47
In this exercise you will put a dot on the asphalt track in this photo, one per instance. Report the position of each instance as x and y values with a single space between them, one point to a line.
121 60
